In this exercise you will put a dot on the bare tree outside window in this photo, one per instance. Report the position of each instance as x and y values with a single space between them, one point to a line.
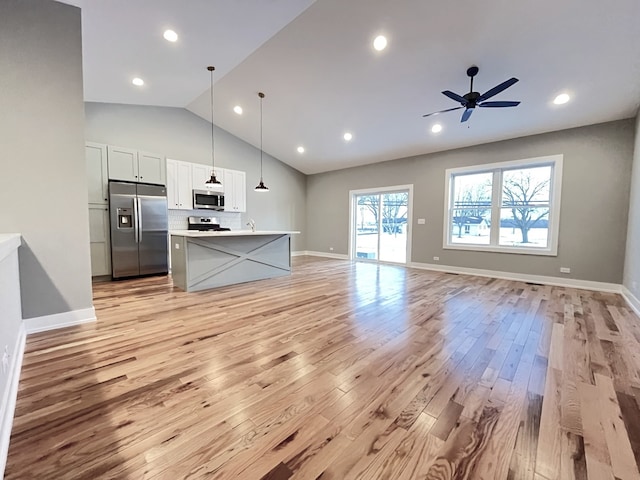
525 193
505 207
471 208
472 204
394 209
371 203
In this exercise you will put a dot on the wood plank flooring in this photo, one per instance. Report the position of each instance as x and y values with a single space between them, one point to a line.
341 371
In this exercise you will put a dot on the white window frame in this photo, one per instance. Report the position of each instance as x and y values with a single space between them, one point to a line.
555 194
353 215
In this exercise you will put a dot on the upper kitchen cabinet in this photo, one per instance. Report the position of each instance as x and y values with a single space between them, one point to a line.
97 173
235 191
179 185
202 173
123 164
134 166
151 168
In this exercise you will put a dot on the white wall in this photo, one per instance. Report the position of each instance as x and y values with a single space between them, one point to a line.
182 135
43 178
632 260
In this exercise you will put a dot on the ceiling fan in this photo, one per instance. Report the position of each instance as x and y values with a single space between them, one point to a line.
473 99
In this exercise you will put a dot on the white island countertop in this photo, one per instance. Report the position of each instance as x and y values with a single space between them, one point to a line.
231 233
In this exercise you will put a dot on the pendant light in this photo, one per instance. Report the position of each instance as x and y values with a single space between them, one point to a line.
261 186
213 181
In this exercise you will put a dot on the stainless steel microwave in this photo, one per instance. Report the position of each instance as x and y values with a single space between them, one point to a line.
208 200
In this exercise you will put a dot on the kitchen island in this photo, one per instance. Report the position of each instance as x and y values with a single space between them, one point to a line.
203 260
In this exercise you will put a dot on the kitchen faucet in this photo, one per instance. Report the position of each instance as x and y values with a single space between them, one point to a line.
252 224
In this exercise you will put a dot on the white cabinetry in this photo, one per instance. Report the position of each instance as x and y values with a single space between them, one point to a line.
134 166
235 191
99 231
99 240
151 168
184 177
202 173
98 178
179 185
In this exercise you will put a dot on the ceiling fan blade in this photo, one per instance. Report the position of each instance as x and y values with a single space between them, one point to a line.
455 96
499 104
442 111
497 89
467 113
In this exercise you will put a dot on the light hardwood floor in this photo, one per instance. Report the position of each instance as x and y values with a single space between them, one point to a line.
341 371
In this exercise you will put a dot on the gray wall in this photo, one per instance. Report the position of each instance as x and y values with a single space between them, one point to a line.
181 135
593 217
43 184
632 261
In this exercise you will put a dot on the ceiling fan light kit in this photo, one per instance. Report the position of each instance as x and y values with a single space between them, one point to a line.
473 99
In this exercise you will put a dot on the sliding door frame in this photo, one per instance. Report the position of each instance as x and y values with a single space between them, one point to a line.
353 216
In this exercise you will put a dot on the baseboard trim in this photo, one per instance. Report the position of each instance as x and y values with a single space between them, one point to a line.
7 409
337 256
300 253
523 277
59 320
631 299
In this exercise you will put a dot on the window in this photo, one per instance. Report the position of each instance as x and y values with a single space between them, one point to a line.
504 207
379 227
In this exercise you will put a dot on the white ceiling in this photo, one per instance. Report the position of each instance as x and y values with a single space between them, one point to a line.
321 76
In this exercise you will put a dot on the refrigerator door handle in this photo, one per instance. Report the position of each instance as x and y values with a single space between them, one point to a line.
136 222
139 206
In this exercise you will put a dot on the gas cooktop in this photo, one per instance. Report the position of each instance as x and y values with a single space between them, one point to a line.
206 224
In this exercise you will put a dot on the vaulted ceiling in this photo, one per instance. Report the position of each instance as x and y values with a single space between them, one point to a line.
315 62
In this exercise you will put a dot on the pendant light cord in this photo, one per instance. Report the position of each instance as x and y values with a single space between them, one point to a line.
261 95
213 161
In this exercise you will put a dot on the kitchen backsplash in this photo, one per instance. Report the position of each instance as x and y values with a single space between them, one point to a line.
178 218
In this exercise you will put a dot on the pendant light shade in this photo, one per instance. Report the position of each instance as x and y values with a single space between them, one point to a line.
261 187
213 180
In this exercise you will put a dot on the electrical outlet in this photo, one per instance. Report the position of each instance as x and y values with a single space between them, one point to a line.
5 360
177 246
331 249
421 221
565 270
437 259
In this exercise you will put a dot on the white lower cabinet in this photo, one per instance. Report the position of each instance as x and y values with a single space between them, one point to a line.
99 238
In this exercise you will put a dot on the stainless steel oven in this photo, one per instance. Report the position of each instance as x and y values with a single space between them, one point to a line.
208 200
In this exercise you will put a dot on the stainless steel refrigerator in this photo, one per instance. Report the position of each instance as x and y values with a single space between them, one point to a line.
139 229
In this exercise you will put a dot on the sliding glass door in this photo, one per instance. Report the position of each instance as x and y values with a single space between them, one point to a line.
380 227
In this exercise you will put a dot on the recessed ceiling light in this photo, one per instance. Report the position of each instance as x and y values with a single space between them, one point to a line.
138 82
562 98
437 128
300 149
347 136
238 109
380 42
170 35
